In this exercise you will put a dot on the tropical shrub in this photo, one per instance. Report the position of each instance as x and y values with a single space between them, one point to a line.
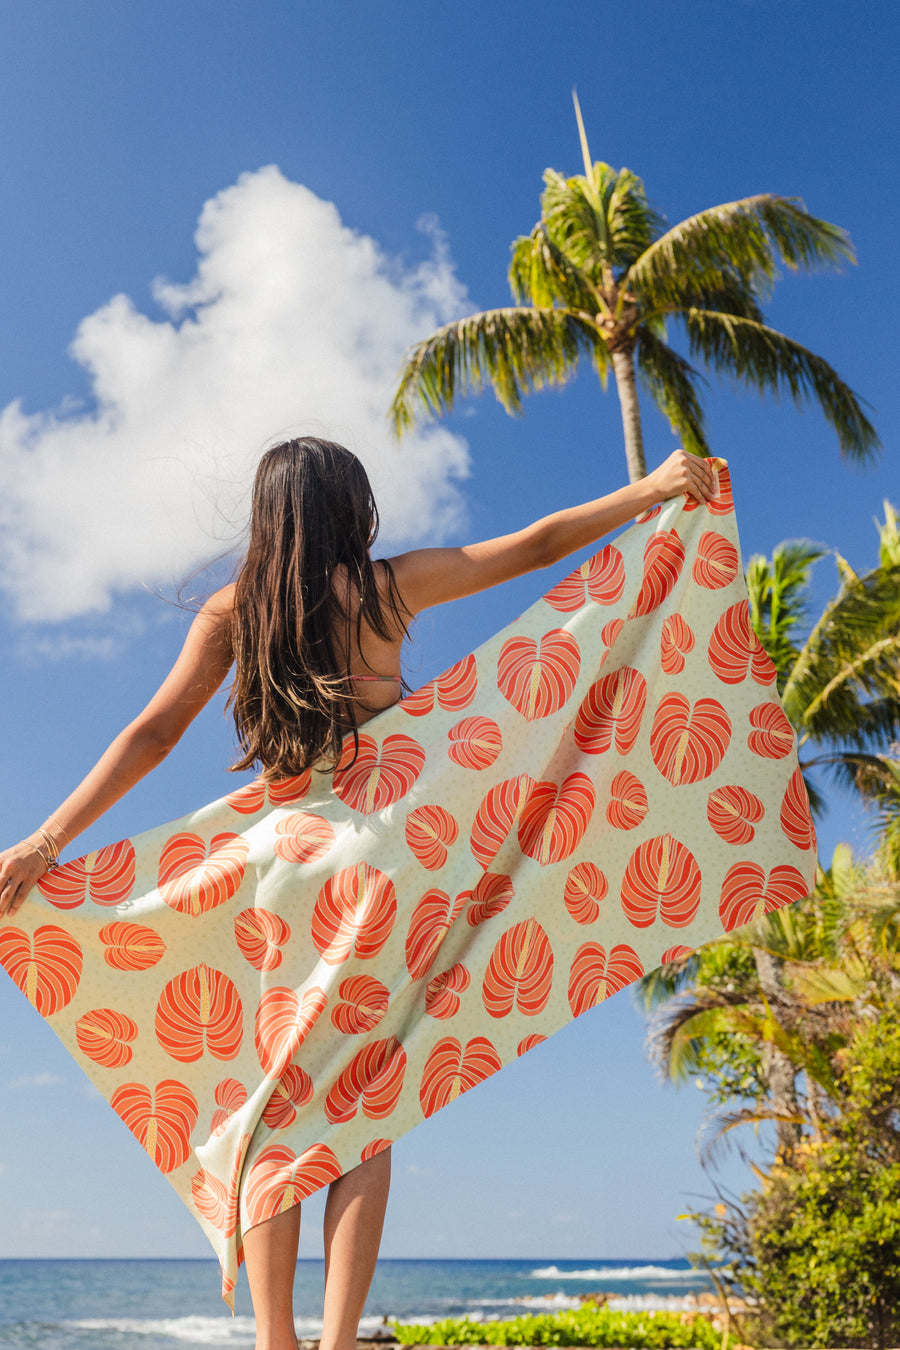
818 1244
588 1325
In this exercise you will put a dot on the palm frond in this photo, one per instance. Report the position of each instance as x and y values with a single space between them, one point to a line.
889 537
574 215
716 1131
742 239
671 382
845 683
541 274
877 777
765 359
778 592
515 350
721 291
603 221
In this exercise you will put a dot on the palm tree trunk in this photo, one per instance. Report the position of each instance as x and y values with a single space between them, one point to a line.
778 1071
626 386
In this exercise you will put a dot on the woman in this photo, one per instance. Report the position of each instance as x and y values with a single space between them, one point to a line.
315 630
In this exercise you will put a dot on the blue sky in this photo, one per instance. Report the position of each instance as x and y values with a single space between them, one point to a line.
123 460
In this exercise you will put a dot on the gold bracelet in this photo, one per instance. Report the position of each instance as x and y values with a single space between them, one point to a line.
43 857
63 832
52 846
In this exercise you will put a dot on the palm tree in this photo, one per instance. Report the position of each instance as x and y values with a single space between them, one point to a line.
840 685
599 276
776 1046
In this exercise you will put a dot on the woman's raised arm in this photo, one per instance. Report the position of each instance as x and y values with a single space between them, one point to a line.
202 665
431 576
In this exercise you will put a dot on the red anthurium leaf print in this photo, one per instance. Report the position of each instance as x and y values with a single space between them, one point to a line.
796 820
612 710
374 1146
747 894
443 991
217 1202
211 1199
663 561
283 792
354 913
475 742
528 1043
364 1001
732 811
554 819
601 579
537 679
283 1021
378 776
735 651
373 1080
772 735
161 1122
303 837
200 1010
104 1035
520 971
717 562
429 831
688 743
496 816
47 967
721 503
429 925
662 877
260 935
193 881
229 1096
293 1089
675 641
106 877
278 1179
594 976
451 1070
454 690
131 946
676 953
610 632
489 898
628 801
586 886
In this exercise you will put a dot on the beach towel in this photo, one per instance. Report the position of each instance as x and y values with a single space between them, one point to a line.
274 988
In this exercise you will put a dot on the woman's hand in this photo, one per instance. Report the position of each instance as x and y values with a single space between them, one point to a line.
20 868
682 472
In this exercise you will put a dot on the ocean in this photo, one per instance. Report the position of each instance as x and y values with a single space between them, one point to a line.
161 1305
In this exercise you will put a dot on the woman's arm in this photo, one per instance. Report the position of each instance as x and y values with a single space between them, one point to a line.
202 665
431 576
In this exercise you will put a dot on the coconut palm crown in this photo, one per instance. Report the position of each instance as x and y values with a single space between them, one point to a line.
600 275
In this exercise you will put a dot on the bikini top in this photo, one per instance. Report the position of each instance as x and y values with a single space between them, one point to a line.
383 679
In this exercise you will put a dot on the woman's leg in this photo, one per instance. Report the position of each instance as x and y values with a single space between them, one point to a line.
270 1254
354 1217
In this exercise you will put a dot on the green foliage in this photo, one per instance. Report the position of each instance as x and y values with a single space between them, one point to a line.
818 1245
588 1325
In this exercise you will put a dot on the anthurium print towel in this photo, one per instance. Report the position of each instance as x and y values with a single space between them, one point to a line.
272 989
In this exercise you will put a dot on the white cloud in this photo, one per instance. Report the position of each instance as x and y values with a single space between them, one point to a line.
292 323
30 1080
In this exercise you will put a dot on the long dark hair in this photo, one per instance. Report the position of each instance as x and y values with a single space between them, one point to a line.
312 512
